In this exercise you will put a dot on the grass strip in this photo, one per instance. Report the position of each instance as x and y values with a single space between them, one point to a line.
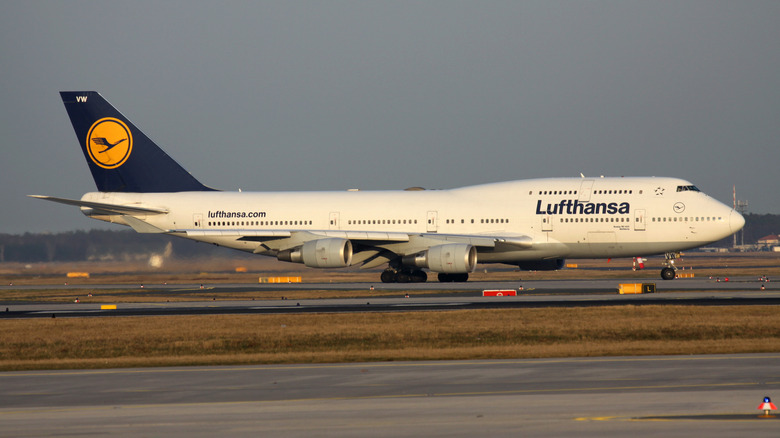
65 343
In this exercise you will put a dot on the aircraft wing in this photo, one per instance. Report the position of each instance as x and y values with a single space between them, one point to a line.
367 238
372 249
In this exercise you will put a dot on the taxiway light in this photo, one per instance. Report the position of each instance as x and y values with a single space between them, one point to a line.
767 406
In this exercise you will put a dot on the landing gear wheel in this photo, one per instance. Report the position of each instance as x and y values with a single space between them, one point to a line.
419 277
450 278
462 278
402 277
668 274
387 276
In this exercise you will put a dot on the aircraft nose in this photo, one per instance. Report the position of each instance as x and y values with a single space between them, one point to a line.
736 221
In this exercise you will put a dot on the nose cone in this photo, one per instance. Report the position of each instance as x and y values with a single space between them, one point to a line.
736 221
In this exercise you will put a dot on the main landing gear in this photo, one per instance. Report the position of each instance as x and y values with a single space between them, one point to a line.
669 272
403 276
453 278
391 275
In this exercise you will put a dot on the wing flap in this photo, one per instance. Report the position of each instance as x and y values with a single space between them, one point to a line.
262 235
366 236
248 235
516 242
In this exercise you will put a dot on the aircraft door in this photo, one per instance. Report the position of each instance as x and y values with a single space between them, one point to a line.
547 222
432 221
197 220
639 220
586 188
333 223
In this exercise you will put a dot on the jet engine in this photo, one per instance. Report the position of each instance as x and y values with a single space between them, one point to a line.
321 253
542 265
449 258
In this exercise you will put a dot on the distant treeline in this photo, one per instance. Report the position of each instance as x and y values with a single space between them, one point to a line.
758 226
126 245
96 245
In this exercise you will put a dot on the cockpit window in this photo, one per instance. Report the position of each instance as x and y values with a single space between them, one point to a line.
687 189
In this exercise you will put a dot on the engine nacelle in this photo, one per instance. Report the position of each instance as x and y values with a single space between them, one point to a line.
451 258
542 265
321 253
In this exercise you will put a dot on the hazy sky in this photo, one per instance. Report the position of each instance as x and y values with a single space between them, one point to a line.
329 95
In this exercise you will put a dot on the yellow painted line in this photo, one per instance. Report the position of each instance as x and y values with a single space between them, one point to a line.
669 418
479 393
108 307
597 388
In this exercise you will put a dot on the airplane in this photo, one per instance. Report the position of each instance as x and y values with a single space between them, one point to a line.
533 224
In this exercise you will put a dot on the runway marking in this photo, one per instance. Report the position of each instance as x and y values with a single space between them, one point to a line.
598 388
408 396
698 417
261 367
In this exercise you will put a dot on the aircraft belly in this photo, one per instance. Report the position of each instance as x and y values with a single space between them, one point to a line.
226 241
626 249
537 252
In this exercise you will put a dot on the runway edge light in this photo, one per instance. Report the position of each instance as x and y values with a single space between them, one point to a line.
767 406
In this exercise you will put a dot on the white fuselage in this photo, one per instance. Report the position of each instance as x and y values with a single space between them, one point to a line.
555 217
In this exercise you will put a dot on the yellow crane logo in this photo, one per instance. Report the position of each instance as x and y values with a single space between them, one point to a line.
109 143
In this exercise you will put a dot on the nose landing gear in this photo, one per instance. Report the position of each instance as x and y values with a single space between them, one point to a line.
669 271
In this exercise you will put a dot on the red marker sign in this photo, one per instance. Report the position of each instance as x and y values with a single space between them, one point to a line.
767 406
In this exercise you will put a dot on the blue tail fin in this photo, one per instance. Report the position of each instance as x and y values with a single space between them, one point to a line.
120 156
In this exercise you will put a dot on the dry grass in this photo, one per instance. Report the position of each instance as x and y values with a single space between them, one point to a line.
302 338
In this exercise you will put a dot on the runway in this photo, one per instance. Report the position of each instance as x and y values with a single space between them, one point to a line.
714 395
393 297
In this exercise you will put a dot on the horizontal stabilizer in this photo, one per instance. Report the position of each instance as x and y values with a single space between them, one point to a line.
108 208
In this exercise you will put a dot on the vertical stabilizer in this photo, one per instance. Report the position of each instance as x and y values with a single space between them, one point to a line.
120 156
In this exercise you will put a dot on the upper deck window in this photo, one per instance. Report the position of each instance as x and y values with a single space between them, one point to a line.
687 189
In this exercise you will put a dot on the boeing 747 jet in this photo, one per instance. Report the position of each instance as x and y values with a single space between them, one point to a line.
533 224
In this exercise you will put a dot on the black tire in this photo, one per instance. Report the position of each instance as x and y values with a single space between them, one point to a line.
402 277
668 274
453 278
387 277
419 277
